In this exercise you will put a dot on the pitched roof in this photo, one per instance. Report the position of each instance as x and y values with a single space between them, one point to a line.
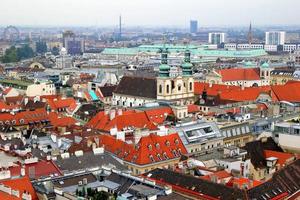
149 149
128 118
236 74
158 115
37 115
288 92
219 174
193 186
36 170
60 103
246 94
61 121
283 158
107 91
137 86
242 181
213 89
255 150
21 184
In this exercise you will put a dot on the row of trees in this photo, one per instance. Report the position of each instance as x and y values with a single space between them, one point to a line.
14 54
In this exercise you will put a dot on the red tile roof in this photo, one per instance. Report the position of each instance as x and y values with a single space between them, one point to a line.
158 115
239 74
41 168
219 174
193 108
288 92
149 149
4 106
246 94
129 118
60 120
37 115
242 181
283 158
61 103
20 184
212 90
24 117
6 90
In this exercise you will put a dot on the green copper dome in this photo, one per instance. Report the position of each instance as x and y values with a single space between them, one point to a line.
187 65
164 67
265 65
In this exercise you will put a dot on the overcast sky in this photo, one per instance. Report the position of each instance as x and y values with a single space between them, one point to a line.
149 12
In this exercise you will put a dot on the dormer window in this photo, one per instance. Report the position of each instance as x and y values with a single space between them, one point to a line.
150 147
151 158
179 151
174 153
134 158
159 157
157 145
168 143
176 141
165 156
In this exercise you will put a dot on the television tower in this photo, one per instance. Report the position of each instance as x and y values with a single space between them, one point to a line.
250 34
120 27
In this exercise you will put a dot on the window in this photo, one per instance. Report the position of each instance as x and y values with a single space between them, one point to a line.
168 89
160 89
151 158
157 145
191 86
179 88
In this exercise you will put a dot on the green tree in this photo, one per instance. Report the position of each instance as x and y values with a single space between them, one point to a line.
25 52
41 47
10 55
55 51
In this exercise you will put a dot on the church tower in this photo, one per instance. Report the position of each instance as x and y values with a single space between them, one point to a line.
179 89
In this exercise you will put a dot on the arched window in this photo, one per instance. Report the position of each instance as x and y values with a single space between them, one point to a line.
179 88
168 89
191 86
160 89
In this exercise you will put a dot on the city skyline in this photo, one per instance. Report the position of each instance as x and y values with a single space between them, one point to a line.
148 13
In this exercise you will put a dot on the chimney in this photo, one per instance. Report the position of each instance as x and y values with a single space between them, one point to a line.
250 183
120 111
23 172
26 101
243 87
84 181
112 114
214 178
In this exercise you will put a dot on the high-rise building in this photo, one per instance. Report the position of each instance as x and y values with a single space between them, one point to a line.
74 45
216 38
275 38
193 26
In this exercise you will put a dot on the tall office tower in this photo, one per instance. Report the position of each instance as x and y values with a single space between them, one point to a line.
275 38
216 38
193 26
74 45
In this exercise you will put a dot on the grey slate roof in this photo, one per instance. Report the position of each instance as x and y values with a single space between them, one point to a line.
137 86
